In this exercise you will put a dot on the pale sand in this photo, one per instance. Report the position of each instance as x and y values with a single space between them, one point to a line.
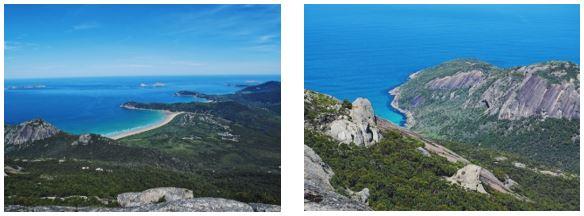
169 116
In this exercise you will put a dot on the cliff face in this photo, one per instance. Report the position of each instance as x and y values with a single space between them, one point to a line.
554 96
478 103
319 194
29 131
548 89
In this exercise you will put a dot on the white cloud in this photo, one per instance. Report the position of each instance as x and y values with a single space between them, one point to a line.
187 63
131 66
16 45
266 38
86 26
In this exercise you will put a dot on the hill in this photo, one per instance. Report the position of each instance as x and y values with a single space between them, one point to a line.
532 111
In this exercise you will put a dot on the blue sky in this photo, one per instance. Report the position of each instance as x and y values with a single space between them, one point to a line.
140 40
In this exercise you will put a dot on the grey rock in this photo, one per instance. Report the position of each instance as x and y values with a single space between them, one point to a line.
361 196
423 151
510 183
19 208
360 128
489 179
154 195
8 170
362 114
205 204
84 139
317 199
534 95
319 193
316 171
469 178
519 165
349 125
474 178
29 131
456 81
261 207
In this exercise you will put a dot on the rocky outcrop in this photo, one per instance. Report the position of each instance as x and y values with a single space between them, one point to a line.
84 139
319 194
456 81
360 196
547 90
8 170
423 151
475 178
353 123
261 207
167 199
317 199
205 204
469 178
154 195
198 205
29 131
363 116
535 96
316 171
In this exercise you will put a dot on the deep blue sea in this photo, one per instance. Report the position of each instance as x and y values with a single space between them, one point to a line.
92 105
365 50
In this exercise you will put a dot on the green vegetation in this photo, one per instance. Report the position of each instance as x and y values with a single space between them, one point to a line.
347 104
265 95
53 179
322 108
400 178
559 72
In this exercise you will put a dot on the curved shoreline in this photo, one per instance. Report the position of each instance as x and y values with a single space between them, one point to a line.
395 92
168 117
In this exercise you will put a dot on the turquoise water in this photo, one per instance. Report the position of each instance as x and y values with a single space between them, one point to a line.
92 105
365 50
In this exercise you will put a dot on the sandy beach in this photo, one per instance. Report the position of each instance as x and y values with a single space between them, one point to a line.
169 116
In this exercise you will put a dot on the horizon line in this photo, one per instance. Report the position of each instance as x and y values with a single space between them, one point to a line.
114 76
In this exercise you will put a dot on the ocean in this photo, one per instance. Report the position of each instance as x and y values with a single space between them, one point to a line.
365 50
92 105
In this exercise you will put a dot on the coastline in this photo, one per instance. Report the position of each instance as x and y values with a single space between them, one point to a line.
168 117
395 104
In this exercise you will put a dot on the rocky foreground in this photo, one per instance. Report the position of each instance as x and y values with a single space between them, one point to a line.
167 199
